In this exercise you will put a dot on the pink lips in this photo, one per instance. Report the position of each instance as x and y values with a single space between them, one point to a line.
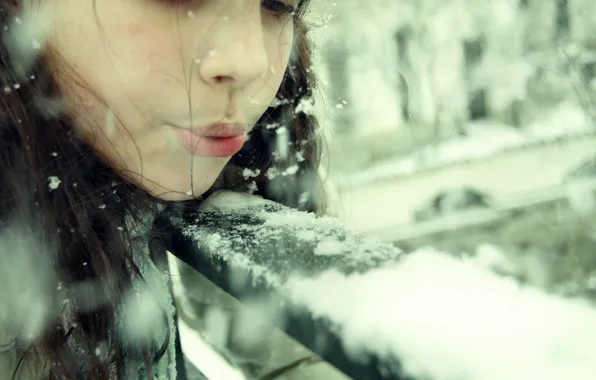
220 140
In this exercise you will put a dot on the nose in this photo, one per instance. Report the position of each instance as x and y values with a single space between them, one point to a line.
236 51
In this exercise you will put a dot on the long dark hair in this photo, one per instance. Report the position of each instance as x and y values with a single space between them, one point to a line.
74 204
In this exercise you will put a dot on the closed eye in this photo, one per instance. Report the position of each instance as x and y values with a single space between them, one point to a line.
278 8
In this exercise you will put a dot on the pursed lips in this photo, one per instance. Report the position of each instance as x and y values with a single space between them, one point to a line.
218 129
216 140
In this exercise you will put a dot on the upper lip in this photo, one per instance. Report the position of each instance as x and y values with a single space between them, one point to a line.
219 129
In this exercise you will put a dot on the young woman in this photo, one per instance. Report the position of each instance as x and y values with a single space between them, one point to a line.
110 110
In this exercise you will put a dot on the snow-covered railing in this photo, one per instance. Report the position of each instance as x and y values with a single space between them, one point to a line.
261 250
376 313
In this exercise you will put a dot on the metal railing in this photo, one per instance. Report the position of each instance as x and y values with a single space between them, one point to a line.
247 256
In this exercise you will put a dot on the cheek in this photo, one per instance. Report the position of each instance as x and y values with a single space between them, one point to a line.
130 80
281 48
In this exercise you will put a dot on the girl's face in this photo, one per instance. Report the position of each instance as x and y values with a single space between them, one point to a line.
166 90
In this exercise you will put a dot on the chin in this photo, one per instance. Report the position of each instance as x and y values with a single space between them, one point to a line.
175 196
176 189
179 185
181 193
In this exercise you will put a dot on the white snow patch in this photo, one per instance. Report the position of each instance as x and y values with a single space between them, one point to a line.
484 139
329 246
282 142
447 319
306 235
226 201
27 277
54 183
141 314
290 170
489 256
568 118
278 102
300 221
306 106
248 173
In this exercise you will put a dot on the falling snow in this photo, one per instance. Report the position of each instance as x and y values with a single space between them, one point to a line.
306 106
443 317
278 102
248 173
54 183
290 171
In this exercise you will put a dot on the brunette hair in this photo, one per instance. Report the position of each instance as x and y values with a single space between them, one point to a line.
70 198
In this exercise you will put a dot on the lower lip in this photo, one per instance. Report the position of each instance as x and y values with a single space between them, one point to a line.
205 146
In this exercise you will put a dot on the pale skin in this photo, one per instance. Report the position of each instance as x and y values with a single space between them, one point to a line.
148 63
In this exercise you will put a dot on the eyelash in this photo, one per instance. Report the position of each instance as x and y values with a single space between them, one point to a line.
278 8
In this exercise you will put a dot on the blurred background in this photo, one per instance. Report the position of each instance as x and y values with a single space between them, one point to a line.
466 125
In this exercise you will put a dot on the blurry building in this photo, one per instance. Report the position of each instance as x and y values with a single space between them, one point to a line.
435 65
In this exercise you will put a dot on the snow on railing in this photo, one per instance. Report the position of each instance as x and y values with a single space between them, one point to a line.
484 140
377 313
